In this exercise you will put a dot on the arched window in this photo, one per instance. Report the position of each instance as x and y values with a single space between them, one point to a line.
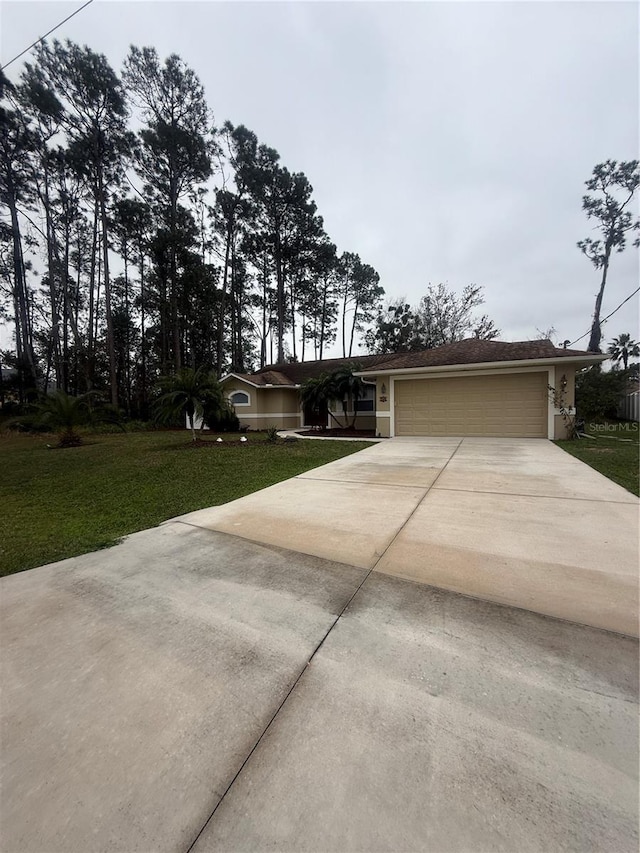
239 398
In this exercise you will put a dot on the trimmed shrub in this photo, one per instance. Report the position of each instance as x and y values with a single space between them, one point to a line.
224 420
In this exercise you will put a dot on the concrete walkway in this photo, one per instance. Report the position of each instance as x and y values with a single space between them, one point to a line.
519 522
191 690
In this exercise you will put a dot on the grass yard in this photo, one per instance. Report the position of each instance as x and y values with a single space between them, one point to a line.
611 452
60 503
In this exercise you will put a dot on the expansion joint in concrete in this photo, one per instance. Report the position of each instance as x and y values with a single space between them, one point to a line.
416 507
277 711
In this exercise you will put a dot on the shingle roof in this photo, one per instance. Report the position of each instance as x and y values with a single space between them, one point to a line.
474 351
470 351
297 371
265 377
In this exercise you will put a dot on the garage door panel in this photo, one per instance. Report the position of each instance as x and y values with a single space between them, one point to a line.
513 406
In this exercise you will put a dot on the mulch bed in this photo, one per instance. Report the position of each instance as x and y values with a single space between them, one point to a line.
341 433
220 445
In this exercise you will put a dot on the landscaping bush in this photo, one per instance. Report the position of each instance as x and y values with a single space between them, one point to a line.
139 426
224 420
30 423
11 408
598 393
272 433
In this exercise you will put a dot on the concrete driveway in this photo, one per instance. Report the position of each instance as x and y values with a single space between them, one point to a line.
515 521
190 690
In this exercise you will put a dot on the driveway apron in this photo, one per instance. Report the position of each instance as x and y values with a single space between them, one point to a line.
515 521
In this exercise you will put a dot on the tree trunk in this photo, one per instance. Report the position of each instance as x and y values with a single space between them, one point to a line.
280 302
127 335
225 280
263 348
92 300
344 315
51 264
293 321
323 318
111 351
173 283
353 326
143 346
596 331
65 307
24 344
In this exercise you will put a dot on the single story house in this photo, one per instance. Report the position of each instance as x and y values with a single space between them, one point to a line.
468 388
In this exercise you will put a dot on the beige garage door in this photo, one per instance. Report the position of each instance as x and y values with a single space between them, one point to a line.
513 405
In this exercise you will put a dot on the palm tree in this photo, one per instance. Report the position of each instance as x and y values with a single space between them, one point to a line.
347 385
333 387
64 413
190 392
622 347
314 393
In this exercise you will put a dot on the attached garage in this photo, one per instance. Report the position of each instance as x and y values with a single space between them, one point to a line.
514 405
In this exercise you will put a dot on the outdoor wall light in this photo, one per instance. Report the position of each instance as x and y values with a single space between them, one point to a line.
383 389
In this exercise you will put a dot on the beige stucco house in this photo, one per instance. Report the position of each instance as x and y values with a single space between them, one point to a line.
468 388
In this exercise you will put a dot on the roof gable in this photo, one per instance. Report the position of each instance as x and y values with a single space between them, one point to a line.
269 378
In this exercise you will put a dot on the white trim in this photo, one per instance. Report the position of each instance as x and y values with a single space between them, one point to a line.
392 406
455 374
245 417
239 379
383 414
253 384
551 413
483 365
238 391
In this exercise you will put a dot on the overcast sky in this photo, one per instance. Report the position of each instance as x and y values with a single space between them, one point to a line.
444 141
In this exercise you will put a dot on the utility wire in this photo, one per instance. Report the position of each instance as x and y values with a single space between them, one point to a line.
604 320
42 38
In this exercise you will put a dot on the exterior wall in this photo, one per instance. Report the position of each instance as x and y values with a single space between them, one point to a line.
232 384
267 406
564 382
383 406
569 373
364 420
278 401
266 421
560 428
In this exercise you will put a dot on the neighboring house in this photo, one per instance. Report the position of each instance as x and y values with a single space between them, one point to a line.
473 387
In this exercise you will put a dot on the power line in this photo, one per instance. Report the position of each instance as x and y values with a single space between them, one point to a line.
42 38
604 320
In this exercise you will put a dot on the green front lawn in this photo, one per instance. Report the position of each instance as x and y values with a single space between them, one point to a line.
614 451
61 503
